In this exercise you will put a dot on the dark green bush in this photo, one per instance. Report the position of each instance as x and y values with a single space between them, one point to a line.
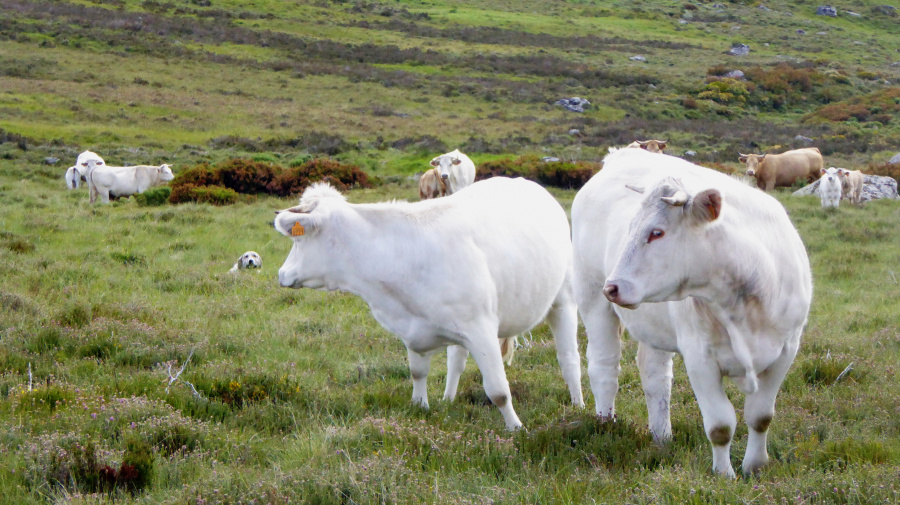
153 197
215 195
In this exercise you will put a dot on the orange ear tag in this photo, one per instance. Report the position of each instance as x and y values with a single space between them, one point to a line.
297 230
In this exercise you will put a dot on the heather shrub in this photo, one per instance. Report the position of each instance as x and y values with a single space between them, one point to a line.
560 174
215 195
884 169
246 176
341 175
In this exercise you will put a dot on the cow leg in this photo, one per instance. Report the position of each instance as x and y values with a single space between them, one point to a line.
759 407
485 348
456 363
656 379
719 419
604 353
93 192
419 365
563 320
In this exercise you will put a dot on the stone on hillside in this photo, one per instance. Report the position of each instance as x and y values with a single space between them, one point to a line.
50 160
574 104
739 50
804 139
637 58
734 74
801 32
885 10
875 187
549 159
826 10
895 159
690 154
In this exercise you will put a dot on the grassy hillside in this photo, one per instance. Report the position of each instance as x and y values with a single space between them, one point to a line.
390 83
301 397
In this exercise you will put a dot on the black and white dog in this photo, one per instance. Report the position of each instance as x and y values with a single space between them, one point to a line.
249 259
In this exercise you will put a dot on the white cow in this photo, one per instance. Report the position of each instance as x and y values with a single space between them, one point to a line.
499 259
852 182
75 174
456 170
725 278
830 187
124 181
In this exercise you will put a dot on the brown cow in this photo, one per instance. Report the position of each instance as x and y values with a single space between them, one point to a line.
654 146
431 185
775 170
852 183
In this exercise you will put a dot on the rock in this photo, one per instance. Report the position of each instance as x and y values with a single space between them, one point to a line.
50 160
638 58
690 154
574 131
826 10
895 159
853 14
804 139
875 187
734 74
739 50
764 8
885 10
801 32
574 104
549 159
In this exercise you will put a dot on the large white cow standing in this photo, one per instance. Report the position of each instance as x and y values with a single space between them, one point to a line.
456 170
498 257
124 181
699 264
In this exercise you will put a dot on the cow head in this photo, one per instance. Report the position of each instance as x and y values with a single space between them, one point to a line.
753 162
654 146
665 245
306 265
82 162
165 173
445 162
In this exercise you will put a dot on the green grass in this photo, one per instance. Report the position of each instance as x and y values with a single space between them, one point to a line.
305 398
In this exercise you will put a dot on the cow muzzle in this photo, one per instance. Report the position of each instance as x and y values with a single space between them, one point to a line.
617 292
445 176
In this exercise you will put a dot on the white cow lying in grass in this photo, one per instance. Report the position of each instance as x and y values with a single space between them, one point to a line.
456 170
699 264
75 174
830 187
498 257
124 181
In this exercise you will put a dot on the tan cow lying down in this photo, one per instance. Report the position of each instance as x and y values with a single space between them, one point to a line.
852 184
777 170
654 146
124 181
431 185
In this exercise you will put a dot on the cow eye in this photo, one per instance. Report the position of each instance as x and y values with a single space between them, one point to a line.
655 234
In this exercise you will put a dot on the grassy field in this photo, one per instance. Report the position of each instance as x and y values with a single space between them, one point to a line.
301 397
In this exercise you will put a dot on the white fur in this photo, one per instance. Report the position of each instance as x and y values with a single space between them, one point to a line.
852 182
249 259
730 293
75 174
124 181
456 170
498 257
830 187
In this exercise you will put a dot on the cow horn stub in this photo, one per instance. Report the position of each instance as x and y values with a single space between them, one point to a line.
677 200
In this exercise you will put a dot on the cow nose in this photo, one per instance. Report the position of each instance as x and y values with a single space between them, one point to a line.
611 292
444 176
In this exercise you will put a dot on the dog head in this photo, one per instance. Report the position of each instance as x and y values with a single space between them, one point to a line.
250 259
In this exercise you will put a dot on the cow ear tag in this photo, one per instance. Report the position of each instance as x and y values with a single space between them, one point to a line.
297 230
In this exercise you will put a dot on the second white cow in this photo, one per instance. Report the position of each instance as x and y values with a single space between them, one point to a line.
456 170
124 181
498 257
699 264
75 174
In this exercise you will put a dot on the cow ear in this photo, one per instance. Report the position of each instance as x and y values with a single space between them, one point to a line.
457 161
742 158
821 171
706 206
662 144
435 163
293 223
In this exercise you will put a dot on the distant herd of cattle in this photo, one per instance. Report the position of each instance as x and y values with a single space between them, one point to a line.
687 259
